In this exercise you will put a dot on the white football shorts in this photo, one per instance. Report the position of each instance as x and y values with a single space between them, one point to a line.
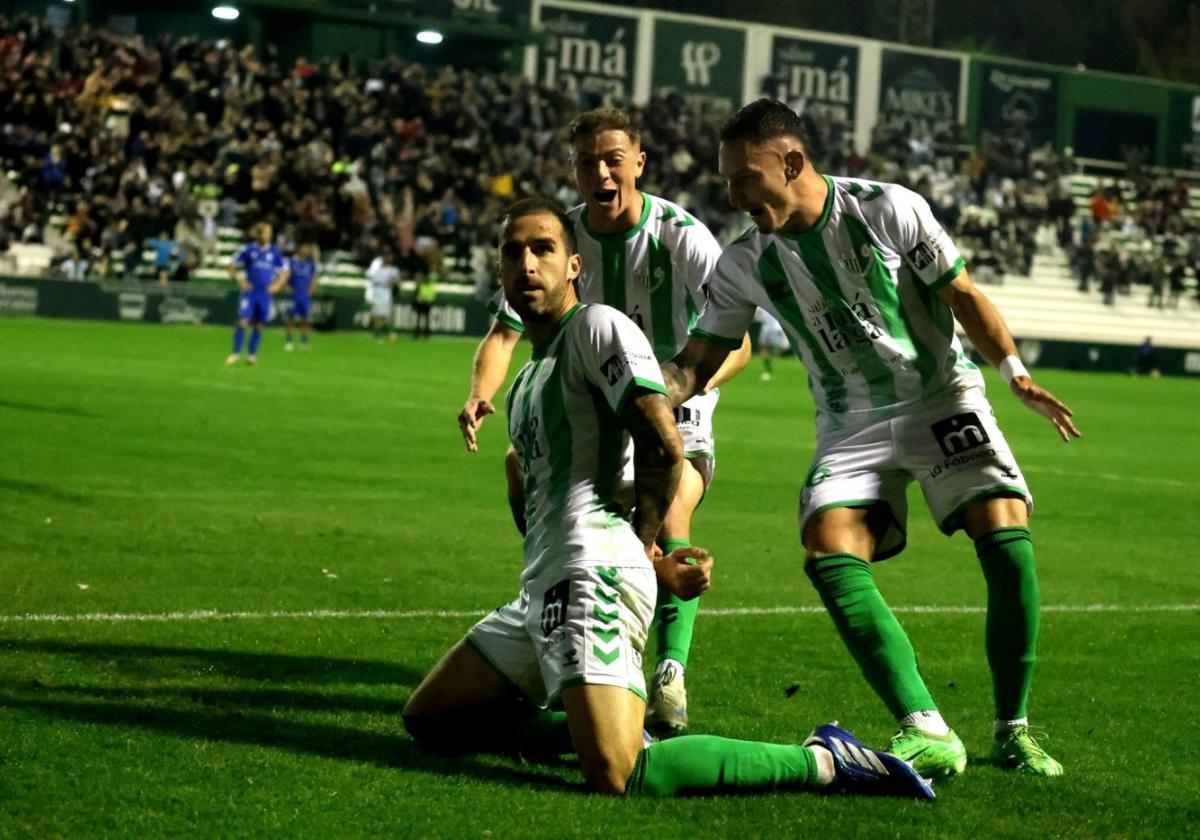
579 626
694 420
381 301
950 444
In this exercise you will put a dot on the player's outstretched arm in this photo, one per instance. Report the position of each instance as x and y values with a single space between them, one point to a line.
985 327
488 371
657 462
688 373
732 365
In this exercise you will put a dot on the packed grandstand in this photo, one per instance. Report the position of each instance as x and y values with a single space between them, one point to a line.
149 159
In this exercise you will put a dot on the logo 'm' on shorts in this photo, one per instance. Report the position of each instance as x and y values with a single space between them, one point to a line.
959 433
554 607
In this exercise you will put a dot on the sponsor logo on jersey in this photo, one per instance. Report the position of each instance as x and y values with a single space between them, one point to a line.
922 256
554 607
960 433
613 369
841 326
525 441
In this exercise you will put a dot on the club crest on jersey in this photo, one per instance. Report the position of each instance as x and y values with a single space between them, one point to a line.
856 260
650 278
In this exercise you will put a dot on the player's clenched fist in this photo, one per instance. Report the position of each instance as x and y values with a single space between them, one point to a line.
686 572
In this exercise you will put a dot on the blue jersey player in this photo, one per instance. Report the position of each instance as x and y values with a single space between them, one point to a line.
303 279
259 270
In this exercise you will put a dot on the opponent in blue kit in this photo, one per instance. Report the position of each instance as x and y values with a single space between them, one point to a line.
263 272
303 280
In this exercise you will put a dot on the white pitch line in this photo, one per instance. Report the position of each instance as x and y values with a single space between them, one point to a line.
717 612
1124 478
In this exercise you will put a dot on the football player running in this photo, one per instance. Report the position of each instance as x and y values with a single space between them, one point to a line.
868 287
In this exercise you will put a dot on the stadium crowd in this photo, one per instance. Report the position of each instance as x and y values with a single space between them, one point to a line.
150 146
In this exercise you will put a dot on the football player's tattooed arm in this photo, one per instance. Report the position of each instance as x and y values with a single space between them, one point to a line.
732 365
657 462
985 326
488 370
688 373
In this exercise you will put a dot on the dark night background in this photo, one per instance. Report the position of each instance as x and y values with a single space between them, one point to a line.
1159 38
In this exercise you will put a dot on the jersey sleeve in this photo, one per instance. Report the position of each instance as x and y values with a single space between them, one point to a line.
503 312
730 311
701 254
242 257
616 357
925 246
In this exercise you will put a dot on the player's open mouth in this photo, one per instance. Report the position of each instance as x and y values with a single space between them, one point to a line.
605 196
755 211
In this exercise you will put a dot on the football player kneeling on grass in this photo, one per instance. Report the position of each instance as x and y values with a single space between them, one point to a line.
599 457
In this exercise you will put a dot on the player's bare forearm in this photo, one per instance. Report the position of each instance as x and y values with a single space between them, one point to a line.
657 462
681 383
695 366
985 326
732 365
488 371
980 319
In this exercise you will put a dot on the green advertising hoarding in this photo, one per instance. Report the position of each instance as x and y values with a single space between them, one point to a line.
1183 145
919 91
699 60
589 52
1019 101
202 303
822 74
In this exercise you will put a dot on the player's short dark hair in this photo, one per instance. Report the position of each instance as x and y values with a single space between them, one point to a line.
540 205
764 119
591 123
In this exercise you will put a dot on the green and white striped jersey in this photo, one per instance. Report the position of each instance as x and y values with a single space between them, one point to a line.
655 273
857 296
574 455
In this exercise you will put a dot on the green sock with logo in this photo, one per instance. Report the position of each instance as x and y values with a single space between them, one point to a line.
1006 556
875 638
674 618
698 764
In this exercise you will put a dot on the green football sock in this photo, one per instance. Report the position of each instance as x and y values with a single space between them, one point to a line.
697 764
674 618
868 627
768 364
1006 556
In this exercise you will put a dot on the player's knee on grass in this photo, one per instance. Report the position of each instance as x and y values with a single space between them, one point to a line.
607 773
606 731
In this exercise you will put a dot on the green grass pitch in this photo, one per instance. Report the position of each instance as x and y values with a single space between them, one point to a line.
141 477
